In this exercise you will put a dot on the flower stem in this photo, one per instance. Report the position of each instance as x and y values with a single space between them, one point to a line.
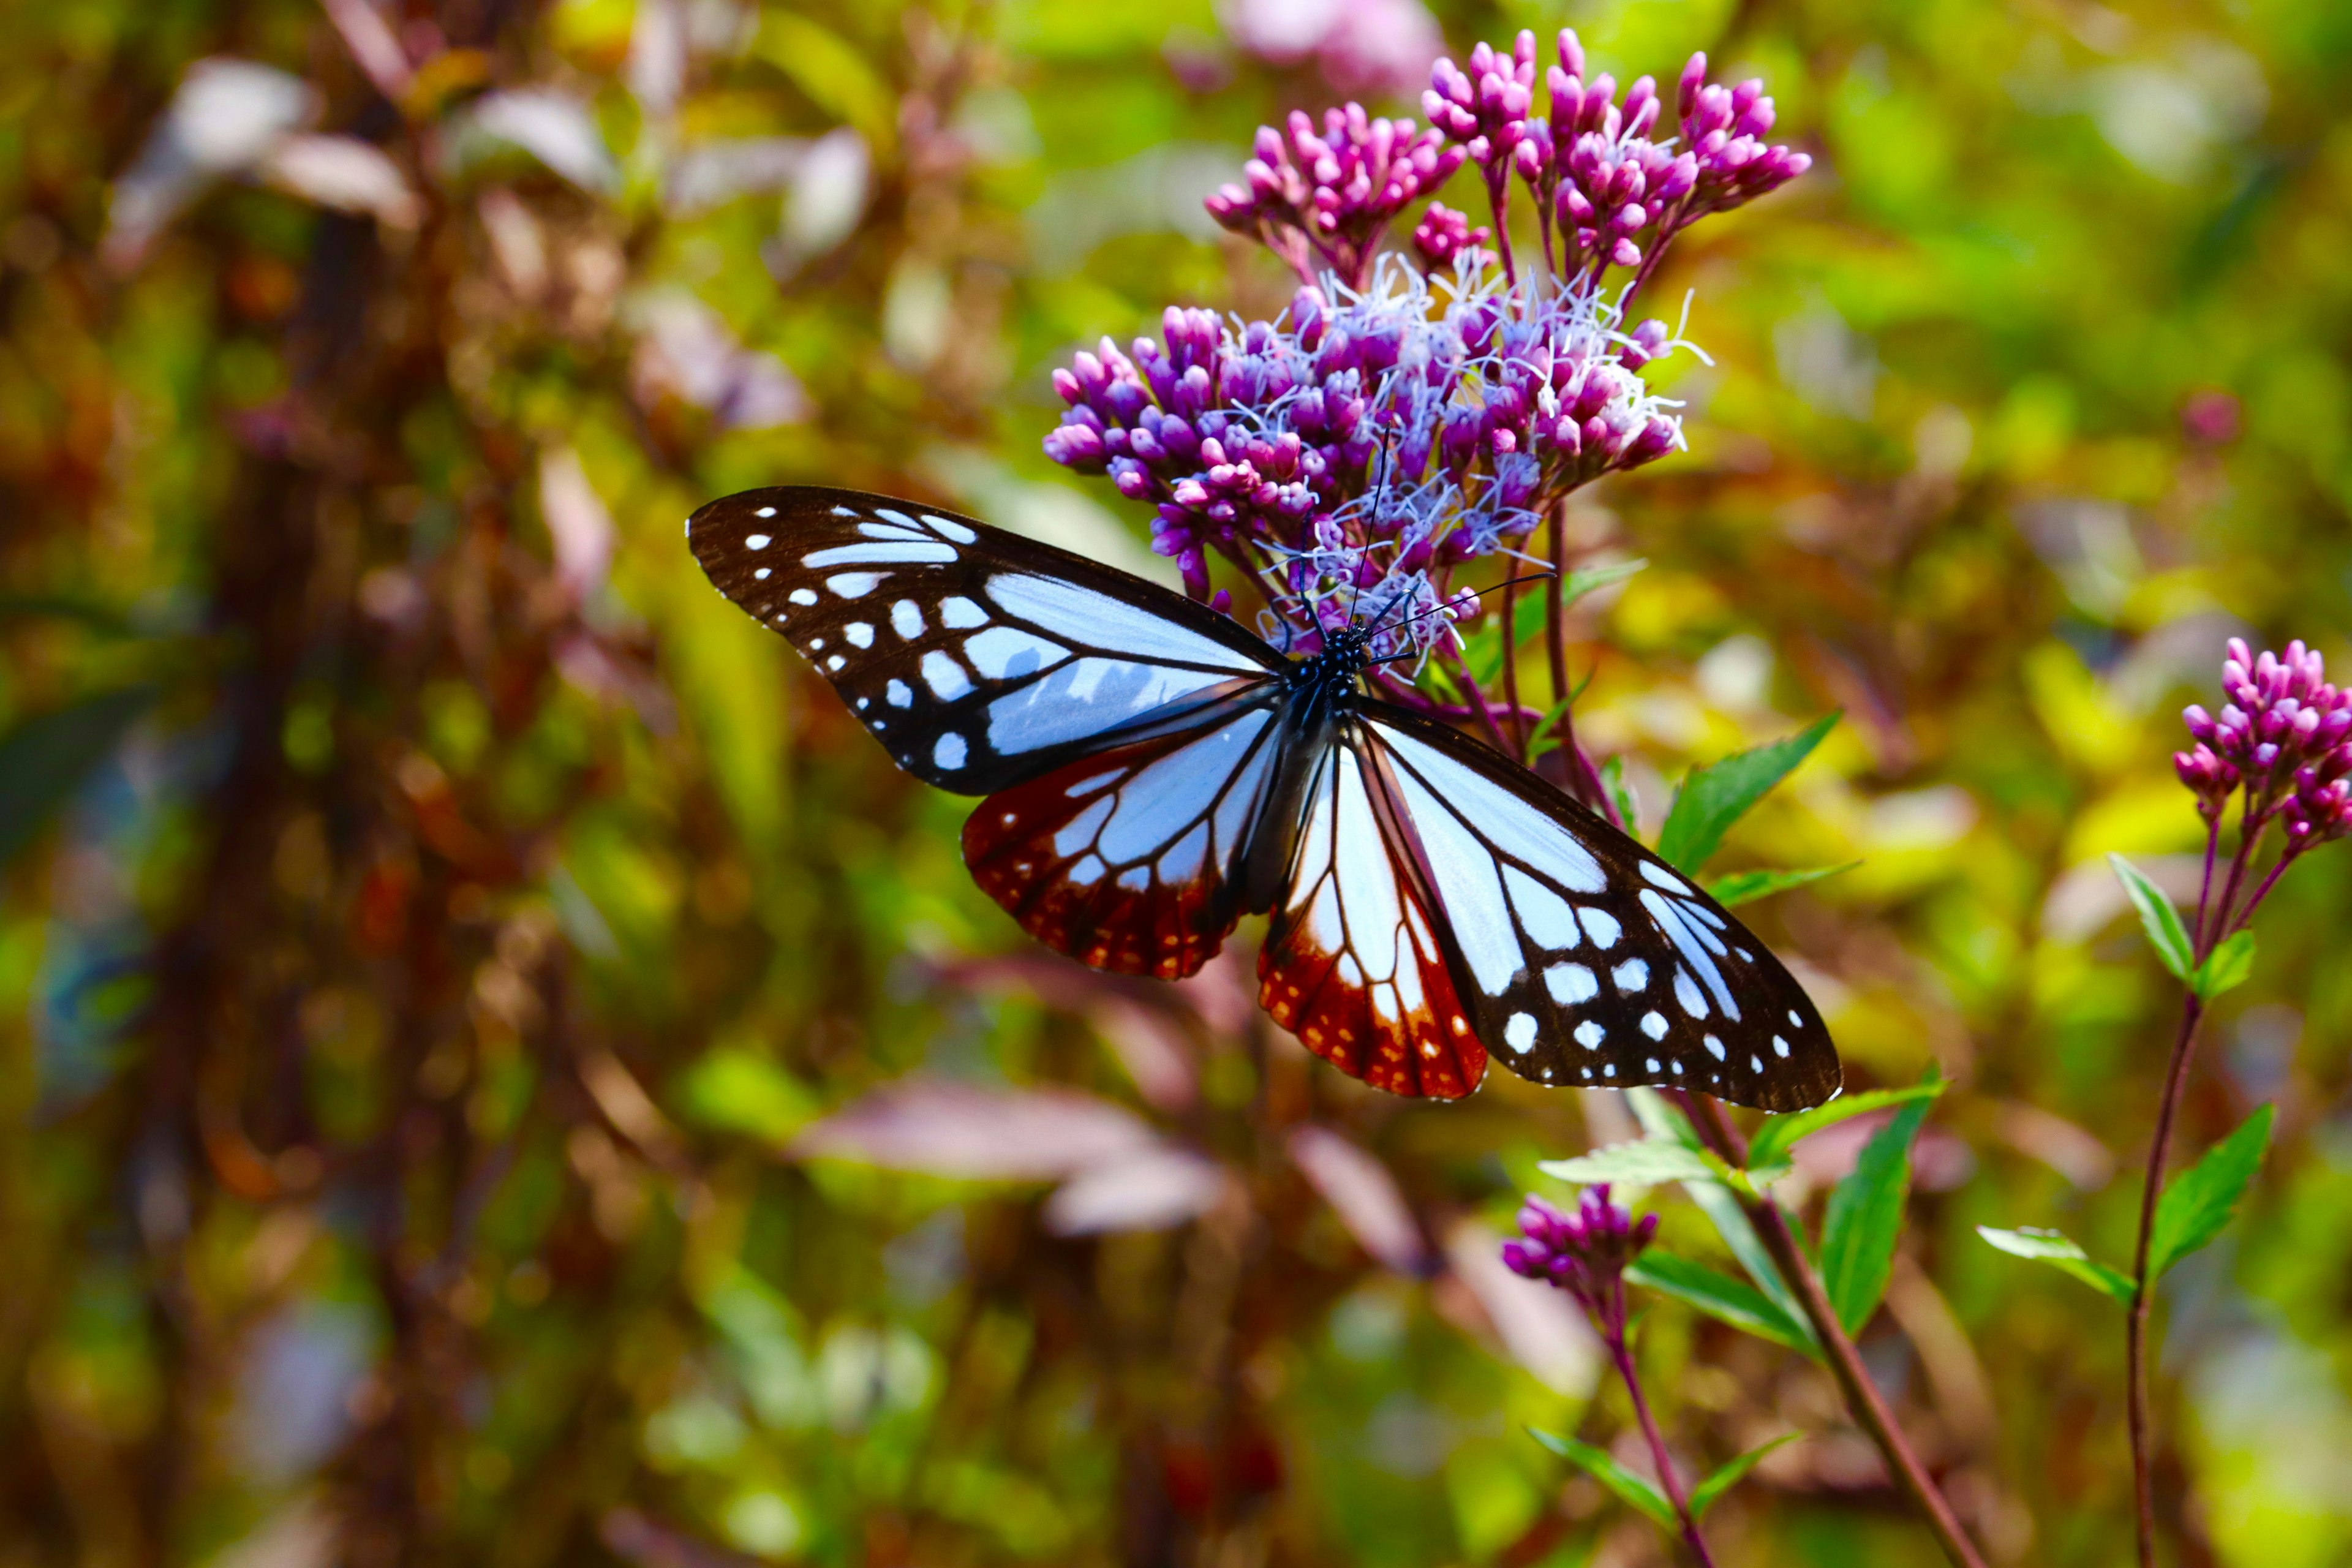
1623 1356
1863 1399
2143 1292
1511 668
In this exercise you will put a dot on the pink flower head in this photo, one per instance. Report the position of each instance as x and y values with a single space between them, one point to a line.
1585 1253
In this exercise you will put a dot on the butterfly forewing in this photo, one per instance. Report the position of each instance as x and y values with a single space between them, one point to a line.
978 657
1353 964
1581 957
1128 858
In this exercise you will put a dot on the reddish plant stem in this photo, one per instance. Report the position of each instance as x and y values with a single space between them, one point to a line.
1519 747
1480 706
1583 779
1676 1493
2143 1295
1863 1399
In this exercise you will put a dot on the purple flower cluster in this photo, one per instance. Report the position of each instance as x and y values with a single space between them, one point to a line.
1585 1254
1414 411
1335 194
2285 738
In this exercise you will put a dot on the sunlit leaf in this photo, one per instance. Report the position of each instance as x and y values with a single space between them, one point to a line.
1719 1203
1648 1162
2157 918
1780 1134
1747 887
1705 1495
1714 797
1621 795
2061 1253
1642 1496
1865 1217
1722 1297
2200 1201
2226 968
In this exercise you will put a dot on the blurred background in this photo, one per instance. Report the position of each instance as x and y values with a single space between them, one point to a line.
496 1067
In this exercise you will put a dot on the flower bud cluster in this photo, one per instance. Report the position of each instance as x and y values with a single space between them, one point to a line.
2284 736
1331 197
1585 1254
1434 424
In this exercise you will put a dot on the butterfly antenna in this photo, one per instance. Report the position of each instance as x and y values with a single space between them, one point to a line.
1474 593
1379 501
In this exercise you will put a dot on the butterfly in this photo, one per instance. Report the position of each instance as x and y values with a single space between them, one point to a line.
1152 771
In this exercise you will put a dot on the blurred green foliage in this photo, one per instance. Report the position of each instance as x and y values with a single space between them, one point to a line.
431 915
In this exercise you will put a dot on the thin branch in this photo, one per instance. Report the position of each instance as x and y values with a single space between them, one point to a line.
1863 1399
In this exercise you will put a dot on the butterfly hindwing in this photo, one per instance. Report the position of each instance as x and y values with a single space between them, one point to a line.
978 657
1354 963
1580 957
1127 858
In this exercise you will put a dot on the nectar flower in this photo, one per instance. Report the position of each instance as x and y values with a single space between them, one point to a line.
2285 737
1585 1253
1334 193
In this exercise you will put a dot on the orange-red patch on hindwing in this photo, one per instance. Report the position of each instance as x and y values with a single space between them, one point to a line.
1027 848
1352 966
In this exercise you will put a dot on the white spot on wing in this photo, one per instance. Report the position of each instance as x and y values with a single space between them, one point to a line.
1630 976
1655 1026
1007 653
949 751
756 542
951 528
879 555
1570 984
803 595
1544 915
960 614
1659 876
1081 614
760 575
1589 1034
1080 830
1599 925
1520 1032
859 633
1715 1048
853 584
898 694
1687 992
907 619
944 676
765 511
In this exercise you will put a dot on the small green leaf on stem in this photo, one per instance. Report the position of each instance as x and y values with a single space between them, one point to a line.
1621 793
1865 1217
1642 1496
2226 967
2159 918
1714 797
2060 1253
1722 1297
2200 1199
1747 887
1705 1495
1779 1134
1648 1162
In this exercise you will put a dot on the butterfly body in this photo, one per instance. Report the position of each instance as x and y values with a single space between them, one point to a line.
1152 772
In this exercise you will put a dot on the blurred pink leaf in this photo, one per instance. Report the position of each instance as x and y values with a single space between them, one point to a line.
711 174
830 189
656 69
1360 1188
1154 1050
225 117
962 1130
1537 1324
1358 46
1154 1189
556 129
2073 1151
373 46
345 174
1940 1160
683 348
578 525
515 240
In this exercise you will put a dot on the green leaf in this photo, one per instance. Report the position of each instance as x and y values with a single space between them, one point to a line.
1747 887
2159 918
45 759
2200 1199
1722 1297
1714 797
1642 1496
1779 1134
1612 777
2226 967
1720 1205
1705 1495
1646 1163
1590 579
2049 1247
1543 738
1865 1216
